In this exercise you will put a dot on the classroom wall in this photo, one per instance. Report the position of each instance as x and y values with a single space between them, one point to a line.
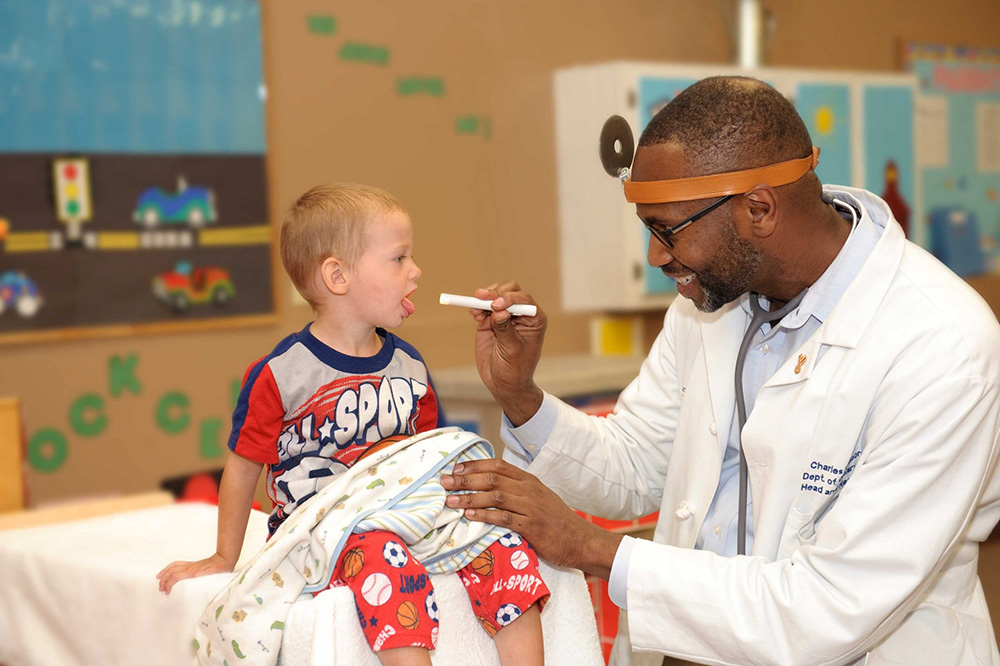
484 207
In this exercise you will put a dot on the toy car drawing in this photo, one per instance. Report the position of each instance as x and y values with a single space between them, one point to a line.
19 291
192 204
186 286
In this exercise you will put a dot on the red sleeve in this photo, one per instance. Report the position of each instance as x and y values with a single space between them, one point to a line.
428 414
258 416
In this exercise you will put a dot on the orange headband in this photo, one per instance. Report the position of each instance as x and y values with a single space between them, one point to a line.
720 184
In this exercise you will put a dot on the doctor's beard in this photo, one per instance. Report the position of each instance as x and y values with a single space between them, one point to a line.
731 271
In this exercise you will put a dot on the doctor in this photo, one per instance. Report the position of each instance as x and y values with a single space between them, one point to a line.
872 417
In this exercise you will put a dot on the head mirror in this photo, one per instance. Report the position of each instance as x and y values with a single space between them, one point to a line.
617 146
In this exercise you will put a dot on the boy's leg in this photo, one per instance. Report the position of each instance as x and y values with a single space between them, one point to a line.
520 642
507 595
393 595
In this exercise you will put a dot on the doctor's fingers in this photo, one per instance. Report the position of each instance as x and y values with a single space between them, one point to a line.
488 474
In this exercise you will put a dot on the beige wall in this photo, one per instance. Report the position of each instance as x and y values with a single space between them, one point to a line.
484 208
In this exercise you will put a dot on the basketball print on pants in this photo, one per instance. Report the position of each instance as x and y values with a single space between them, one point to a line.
407 615
354 562
483 564
376 589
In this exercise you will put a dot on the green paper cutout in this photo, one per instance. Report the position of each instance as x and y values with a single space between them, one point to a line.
321 24
278 624
415 86
78 415
377 55
37 456
473 125
236 650
208 438
121 374
170 424
467 125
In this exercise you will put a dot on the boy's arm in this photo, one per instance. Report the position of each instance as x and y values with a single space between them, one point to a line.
239 481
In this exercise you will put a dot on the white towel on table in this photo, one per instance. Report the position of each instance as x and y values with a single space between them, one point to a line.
84 593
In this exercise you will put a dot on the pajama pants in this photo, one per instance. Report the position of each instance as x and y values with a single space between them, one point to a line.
395 598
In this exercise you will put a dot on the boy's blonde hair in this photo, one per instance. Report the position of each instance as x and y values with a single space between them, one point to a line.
329 220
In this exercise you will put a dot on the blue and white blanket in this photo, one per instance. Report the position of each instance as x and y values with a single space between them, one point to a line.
397 489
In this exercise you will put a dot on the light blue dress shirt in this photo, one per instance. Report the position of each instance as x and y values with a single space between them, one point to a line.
772 346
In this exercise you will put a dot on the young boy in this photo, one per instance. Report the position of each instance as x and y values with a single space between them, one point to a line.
325 395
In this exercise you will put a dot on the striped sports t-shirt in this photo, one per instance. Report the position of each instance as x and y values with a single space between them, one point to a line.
308 412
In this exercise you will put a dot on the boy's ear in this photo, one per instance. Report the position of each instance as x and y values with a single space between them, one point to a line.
333 272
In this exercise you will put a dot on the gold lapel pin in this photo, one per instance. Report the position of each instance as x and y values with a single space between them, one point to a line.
802 361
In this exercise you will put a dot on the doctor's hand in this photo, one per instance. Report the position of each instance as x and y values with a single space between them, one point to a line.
512 498
508 349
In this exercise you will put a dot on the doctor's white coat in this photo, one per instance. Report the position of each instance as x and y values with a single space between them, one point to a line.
872 458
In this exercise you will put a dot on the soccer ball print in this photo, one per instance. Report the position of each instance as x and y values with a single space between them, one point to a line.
510 540
507 614
395 555
431 605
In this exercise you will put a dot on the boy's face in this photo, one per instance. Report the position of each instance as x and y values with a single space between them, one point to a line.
385 274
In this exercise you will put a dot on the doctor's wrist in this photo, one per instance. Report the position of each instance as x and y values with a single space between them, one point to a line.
521 405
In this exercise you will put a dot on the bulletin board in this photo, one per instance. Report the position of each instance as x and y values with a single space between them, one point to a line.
133 193
958 152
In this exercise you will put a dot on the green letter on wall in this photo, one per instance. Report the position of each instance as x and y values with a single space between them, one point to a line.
86 415
171 412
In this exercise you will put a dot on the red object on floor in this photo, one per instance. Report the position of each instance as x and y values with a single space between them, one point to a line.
605 612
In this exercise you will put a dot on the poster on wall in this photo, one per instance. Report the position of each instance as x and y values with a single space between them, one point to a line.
132 167
958 152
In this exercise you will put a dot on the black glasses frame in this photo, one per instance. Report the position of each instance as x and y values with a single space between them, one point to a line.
664 235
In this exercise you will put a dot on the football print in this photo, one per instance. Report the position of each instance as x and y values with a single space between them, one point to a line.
510 540
394 554
432 607
507 614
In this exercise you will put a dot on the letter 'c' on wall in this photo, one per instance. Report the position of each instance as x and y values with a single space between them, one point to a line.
172 412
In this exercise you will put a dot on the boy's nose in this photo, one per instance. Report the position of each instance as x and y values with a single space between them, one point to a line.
416 271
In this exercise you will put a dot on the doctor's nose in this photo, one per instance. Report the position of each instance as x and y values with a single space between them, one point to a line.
658 254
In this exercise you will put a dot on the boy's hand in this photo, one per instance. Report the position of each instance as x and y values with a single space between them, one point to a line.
177 571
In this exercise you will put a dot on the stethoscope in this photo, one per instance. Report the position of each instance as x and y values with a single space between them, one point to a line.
759 317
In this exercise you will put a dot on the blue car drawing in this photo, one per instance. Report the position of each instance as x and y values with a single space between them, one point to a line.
192 204
19 291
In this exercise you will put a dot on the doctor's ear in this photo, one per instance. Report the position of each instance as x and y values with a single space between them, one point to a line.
762 201
333 273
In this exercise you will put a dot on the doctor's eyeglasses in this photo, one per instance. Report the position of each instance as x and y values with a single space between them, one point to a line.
663 235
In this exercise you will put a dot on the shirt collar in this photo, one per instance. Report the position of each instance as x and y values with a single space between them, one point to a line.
823 295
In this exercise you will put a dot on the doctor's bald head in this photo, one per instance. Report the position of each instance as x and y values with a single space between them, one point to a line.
730 123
